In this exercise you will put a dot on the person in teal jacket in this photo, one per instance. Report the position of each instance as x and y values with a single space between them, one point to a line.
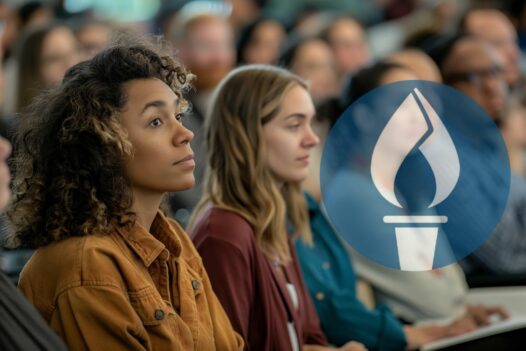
329 275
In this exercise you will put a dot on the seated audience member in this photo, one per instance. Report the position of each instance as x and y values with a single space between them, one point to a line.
329 274
311 58
93 36
261 41
328 268
348 41
21 326
493 256
259 142
45 54
472 66
495 29
94 159
412 296
34 13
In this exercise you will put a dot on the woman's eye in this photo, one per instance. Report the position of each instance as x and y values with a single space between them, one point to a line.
155 122
179 116
294 126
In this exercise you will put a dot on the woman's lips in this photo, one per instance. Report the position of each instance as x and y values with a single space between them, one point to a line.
188 160
304 159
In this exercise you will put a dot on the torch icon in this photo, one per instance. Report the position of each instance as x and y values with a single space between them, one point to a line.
416 236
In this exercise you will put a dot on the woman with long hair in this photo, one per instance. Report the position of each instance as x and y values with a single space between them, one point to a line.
94 159
44 55
259 138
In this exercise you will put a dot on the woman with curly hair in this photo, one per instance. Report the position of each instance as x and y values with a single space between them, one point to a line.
94 159
259 141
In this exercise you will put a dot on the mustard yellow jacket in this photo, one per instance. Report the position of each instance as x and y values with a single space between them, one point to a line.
129 290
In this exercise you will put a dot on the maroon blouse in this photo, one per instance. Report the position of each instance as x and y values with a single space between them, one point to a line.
251 290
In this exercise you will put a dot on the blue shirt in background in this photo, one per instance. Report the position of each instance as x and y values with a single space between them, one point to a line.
329 275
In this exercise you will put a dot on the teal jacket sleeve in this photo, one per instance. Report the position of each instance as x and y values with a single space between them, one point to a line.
331 281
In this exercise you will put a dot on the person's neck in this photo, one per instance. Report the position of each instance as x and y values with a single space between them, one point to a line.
145 206
279 185
515 155
516 160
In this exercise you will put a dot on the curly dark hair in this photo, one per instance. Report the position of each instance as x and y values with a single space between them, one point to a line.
70 148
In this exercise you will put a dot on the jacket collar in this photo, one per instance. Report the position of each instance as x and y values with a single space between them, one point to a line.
149 245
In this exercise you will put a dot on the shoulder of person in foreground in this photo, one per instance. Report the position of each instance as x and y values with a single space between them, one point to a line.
218 224
73 262
82 286
21 326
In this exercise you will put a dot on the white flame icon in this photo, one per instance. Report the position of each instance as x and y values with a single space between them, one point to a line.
416 245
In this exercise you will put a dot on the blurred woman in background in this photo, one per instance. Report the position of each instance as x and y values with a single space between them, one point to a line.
261 41
311 58
44 55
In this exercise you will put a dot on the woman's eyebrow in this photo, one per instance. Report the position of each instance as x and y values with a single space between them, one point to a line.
298 115
302 116
159 104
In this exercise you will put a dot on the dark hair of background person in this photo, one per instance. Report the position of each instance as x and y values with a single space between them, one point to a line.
366 80
28 9
440 47
71 148
421 39
329 110
515 9
294 43
161 21
28 55
246 35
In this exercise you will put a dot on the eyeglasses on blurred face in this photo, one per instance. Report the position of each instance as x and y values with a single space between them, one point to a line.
475 77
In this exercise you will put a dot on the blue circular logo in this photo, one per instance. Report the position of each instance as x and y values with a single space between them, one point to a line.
415 175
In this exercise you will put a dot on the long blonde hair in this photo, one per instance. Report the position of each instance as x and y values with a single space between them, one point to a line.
237 177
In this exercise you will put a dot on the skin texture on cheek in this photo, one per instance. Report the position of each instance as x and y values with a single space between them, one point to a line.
281 149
